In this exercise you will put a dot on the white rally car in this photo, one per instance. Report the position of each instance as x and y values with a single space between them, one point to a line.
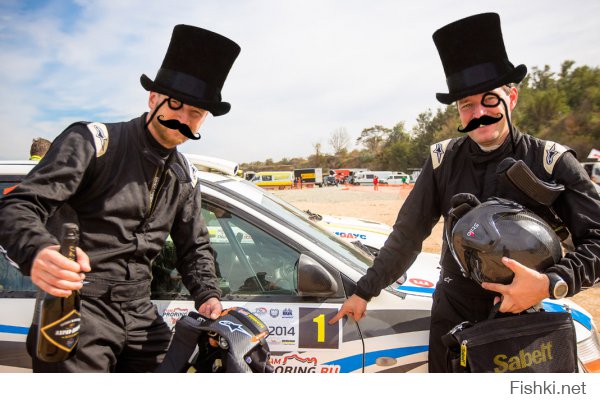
367 234
273 260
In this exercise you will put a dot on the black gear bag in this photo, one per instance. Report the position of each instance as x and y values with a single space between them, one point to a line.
528 342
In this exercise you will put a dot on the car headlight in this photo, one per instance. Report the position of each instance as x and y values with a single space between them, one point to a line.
588 351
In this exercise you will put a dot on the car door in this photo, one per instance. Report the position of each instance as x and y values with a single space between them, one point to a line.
17 298
258 270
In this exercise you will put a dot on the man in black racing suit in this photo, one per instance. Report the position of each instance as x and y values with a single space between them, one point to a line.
479 77
128 188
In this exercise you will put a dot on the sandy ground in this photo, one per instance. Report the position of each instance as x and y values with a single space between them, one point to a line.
383 206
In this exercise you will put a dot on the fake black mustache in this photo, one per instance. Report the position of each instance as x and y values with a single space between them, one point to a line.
484 120
177 125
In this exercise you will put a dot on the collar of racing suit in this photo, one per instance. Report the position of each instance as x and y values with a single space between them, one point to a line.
507 147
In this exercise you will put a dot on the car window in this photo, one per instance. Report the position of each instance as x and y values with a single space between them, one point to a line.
296 218
12 282
249 261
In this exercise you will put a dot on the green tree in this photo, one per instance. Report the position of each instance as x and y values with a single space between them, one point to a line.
396 151
373 138
565 109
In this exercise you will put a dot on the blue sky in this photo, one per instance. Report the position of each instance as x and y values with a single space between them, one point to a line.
306 68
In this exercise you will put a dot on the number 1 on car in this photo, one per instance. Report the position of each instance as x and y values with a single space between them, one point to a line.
314 331
320 321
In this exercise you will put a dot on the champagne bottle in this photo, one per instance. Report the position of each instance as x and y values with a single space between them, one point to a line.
59 318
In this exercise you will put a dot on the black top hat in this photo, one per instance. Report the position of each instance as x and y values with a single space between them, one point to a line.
474 58
195 68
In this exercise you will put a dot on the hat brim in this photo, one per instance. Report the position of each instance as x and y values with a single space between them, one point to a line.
514 76
215 108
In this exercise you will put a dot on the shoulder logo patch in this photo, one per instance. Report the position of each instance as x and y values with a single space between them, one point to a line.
100 133
437 152
552 153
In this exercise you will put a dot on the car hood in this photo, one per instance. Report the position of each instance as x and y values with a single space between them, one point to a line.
370 233
422 276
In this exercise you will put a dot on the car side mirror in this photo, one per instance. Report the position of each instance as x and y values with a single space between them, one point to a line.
314 280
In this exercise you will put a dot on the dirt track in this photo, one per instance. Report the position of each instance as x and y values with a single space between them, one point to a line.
383 206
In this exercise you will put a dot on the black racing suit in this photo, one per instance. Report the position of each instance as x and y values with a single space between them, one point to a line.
465 168
108 180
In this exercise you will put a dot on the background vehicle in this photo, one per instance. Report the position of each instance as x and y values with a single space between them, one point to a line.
414 174
593 170
310 176
275 179
340 174
331 181
273 260
248 175
366 177
366 234
344 175
400 178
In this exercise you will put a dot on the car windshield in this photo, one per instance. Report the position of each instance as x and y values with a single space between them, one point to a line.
298 219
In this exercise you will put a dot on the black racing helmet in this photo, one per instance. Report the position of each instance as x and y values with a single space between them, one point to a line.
234 343
479 235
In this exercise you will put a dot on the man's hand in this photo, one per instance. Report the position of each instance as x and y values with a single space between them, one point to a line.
211 308
56 274
354 307
527 289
